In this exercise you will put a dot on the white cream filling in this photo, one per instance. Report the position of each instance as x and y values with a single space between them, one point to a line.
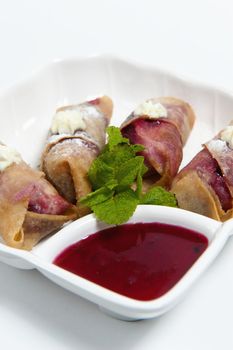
8 156
66 122
151 109
70 120
227 135
217 145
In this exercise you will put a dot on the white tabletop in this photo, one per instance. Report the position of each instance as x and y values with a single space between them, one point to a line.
191 38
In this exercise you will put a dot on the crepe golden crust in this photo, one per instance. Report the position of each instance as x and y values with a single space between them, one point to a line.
194 195
37 226
67 158
204 186
66 166
19 227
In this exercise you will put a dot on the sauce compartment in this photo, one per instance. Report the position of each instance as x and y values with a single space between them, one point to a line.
116 304
142 261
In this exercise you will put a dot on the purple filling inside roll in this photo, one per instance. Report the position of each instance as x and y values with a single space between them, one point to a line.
162 141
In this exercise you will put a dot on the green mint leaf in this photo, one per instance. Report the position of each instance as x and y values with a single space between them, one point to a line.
159 196
115 137
111 185
103 168
113 173
120 154
94 198
137 148
139 185
127 173
117 209
100 173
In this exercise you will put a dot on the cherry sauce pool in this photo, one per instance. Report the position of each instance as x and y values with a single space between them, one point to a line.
141 261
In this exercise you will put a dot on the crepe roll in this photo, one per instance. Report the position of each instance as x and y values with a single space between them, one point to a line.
76 137
205 185
163 126
30 207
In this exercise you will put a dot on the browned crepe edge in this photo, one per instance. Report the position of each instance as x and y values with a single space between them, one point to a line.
11 223
82 187
37 226
194 195
105 106
69 175
17 220
13 211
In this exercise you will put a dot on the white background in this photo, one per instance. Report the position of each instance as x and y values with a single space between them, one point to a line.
191 38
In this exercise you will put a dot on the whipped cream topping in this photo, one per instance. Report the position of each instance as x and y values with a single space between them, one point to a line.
8 156
69 120
227 135
217 145
66 122
151 109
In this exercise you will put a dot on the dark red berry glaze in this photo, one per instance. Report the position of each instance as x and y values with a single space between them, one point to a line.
141 261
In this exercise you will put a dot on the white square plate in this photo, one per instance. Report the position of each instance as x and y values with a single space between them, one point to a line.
26 112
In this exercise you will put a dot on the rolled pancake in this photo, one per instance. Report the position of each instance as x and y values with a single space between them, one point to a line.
162 125
206 203
30 208
71 149
205 185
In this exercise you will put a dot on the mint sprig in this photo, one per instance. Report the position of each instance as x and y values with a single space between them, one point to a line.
159 196
117 209
112 175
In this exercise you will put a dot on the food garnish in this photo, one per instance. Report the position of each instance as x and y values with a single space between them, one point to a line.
113 174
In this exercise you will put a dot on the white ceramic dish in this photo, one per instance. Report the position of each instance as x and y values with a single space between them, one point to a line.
26 112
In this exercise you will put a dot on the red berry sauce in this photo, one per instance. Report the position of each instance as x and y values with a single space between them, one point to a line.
141 261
